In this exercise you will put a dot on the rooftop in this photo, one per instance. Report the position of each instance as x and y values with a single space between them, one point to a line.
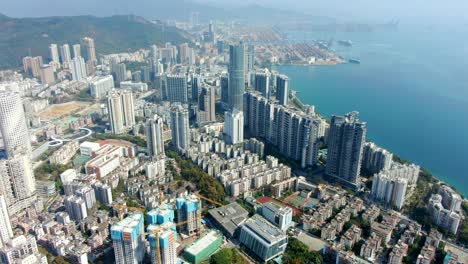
264 229
230 216
202 243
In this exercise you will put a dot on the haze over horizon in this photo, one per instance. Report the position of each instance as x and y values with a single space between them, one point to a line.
360 10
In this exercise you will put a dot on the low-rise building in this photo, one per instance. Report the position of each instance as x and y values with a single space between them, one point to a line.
264 240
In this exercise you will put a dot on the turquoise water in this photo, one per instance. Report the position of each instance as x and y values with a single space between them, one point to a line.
411 88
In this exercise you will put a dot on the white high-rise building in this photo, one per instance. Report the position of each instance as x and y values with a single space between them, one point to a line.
375 159
180 128
17 182
6 232
76 51
101 85
78 67
54 55
390 189
121 110
13 123
154 136
65 55
234 126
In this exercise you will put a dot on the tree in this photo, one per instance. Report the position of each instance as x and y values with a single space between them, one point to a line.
298 253
221 257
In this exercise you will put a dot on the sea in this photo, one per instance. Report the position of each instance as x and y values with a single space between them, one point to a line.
411 88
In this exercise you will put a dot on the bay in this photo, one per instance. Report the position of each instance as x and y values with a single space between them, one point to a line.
411 88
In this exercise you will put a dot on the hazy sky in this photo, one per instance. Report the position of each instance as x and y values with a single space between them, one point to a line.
369 9
436 11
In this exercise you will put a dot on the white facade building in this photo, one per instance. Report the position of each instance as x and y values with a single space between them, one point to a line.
13 123
78 67
101 85
234 127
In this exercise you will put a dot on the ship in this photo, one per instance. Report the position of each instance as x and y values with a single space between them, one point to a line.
347 43
355 61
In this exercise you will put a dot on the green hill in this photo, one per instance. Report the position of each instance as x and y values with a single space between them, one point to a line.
22 36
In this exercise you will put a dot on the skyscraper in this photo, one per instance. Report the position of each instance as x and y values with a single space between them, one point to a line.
206 105
176 88
180 128
234 126
345 146
188 209
128 240
13 123
236 76
196 83
90 50
76 50
47 74
262 83
78 68
54 55
161 221
121 110
154 136
6 233
250 58
32 65
65 55
17 181
225 91
282 89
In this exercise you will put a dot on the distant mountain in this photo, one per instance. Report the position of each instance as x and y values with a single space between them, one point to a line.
22 36
150 9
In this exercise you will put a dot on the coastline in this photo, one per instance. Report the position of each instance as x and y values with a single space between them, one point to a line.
434 180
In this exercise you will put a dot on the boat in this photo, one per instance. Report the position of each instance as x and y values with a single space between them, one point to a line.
347 43
355 61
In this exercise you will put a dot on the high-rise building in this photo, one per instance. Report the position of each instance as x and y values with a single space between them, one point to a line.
184 53
100 86
282 89
155 136
234 126
119 72
65 55
389 188
295 133
180 128
76 50
6 232
188 210
103 193
47 74
22 249
121 109
176 88
128 240
54 55
76 208
89 50
206 105
236 70
225 91
196 87
262 238
375 159
262 83
78 68
167 242
13 123
88 195
32 65
194 16
250 58
345 146
161 221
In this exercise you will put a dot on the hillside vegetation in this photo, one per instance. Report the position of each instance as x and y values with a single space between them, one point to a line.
22 36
